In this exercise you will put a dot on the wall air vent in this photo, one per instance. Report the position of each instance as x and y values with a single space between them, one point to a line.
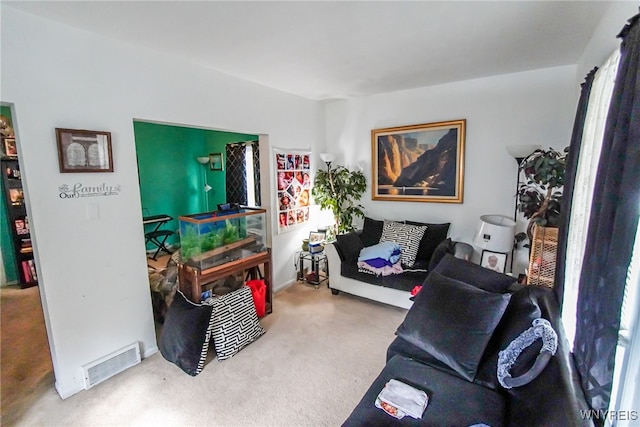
110 365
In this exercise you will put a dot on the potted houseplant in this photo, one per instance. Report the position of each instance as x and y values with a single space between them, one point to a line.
338 189
539 196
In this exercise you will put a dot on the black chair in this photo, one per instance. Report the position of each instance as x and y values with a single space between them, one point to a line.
158 238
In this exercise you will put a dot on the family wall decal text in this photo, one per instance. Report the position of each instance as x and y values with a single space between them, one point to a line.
79 190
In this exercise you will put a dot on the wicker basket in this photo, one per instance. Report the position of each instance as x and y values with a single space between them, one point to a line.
542 262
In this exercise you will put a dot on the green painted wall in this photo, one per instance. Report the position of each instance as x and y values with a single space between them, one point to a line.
171 179
5 110
6 243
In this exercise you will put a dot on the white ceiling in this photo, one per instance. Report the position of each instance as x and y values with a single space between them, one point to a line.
325 50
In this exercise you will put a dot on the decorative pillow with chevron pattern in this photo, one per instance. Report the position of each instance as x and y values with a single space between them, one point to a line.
235 322
407 236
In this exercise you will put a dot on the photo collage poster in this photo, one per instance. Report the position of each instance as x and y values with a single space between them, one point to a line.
293 172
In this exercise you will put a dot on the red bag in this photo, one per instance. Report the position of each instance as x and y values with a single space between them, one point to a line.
259 293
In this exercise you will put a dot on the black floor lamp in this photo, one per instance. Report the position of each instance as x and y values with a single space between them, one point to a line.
519 153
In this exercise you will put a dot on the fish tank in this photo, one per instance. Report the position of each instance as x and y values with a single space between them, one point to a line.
212 239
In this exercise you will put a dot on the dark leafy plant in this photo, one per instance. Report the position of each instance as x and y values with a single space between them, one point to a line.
338 189
539 197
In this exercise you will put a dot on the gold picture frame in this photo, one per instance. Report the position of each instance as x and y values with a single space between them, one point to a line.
419 163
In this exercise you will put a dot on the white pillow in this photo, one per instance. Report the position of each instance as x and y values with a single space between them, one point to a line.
407 236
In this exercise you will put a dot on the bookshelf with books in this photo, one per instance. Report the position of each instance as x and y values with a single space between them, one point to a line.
18 221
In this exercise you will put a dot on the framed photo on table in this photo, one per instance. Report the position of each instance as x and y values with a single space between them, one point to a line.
496 261
419 163
317 236
84 151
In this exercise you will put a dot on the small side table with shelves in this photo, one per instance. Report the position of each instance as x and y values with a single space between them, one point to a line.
319 266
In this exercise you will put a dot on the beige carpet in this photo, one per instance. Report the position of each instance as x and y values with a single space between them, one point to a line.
26 371
319 355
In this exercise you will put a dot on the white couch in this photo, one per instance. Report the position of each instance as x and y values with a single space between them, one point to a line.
382 294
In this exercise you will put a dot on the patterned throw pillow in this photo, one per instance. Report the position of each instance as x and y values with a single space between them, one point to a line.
235 322
407 236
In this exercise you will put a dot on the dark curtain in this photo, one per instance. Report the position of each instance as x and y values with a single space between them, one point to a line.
612 229
256 172
236 174
569 184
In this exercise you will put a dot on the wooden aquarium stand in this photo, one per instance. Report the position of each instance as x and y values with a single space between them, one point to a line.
193 280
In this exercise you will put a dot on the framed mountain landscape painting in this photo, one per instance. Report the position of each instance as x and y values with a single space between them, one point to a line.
419 163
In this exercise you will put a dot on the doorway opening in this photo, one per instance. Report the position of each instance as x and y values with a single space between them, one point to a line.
21 306
185 170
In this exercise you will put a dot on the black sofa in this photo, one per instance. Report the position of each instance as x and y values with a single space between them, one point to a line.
448 346
395 289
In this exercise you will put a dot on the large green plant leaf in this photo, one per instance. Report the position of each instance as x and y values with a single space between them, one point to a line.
338 189
540 196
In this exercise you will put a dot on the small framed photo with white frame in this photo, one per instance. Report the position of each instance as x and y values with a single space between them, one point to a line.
316 237
10 149
216 162
496 261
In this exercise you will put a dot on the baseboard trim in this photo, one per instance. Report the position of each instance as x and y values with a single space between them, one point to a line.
10 283
284 285
63 393
169 246
150 351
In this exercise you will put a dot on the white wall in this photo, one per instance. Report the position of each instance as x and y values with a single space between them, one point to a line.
90 252
604 39
535 107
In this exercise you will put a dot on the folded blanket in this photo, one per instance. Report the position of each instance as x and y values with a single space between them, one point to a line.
386 250
385 270
378 262
399 399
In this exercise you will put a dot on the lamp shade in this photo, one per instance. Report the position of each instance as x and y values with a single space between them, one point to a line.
203 160
495 233
327 157
519 152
